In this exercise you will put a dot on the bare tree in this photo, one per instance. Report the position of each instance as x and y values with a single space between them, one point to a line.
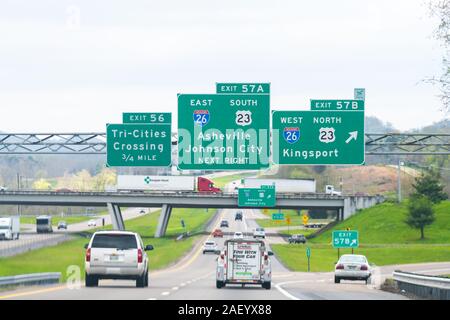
441 10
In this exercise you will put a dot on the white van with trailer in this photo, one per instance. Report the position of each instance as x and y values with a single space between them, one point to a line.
244 261
9 228
44 224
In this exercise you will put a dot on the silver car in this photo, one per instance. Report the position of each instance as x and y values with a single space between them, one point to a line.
352 267
116 255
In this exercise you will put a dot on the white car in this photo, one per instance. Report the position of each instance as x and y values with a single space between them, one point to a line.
352 267
92 223
238 235
116 255
2 188
210 246
259 233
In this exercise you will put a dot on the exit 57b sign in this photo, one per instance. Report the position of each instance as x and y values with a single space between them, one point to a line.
318 137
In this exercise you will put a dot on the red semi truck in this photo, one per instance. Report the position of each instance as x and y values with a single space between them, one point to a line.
166 183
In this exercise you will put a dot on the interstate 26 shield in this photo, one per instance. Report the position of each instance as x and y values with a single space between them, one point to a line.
291 134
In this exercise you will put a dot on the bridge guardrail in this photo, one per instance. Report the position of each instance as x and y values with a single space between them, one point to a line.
174 194
30 279
425 286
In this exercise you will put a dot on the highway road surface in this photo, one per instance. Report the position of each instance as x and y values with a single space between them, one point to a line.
194 278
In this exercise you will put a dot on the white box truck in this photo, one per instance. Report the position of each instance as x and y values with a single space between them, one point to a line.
9 228
44 224
165 183
244 262
283 185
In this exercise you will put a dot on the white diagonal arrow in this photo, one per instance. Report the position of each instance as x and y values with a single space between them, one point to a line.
353 135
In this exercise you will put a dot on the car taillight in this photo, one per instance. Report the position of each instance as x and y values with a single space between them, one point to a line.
139 256
88 255
266 257
339 267
222 256
364 267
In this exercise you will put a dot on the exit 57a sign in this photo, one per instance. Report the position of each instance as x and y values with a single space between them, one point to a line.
224 131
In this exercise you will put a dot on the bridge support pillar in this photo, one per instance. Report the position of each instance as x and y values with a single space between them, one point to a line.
164 217
116 217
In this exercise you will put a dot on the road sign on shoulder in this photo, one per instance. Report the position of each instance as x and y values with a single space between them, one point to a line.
278 216
345 239
223 131
288 220
318 137
136 145
305 219
308 252
340 105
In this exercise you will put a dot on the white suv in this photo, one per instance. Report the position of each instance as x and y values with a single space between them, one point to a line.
116 255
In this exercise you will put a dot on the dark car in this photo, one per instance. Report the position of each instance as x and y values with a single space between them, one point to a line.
297 238
238 216
224 224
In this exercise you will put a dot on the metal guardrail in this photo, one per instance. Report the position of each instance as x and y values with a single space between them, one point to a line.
30 279
171 194
425 286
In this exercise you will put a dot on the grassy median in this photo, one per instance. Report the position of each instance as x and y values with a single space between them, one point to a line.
384 238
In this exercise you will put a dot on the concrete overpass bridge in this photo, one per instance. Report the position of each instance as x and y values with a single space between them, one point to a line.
345 205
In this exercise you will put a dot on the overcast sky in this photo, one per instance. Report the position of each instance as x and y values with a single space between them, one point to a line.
76 65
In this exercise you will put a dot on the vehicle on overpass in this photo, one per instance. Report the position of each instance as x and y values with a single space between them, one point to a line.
282 185
210 246
62 225
44 224
297 238
329 189
259 233
116 255
244 262
352 267
9 228
142 183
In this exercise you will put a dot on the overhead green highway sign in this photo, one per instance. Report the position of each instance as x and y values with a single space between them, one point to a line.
138 145
345 239
244 88
341 105
223 131
147 117
257 197
318 138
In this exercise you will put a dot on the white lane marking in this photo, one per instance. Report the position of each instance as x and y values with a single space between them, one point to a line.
175 288
284 292
165 293
182 284
152 299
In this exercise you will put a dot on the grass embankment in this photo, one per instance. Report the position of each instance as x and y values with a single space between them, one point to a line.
296 220
167 250
384 238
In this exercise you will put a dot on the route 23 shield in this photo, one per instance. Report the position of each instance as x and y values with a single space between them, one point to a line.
291 134
201 117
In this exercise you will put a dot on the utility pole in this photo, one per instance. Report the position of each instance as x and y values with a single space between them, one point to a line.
399 182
